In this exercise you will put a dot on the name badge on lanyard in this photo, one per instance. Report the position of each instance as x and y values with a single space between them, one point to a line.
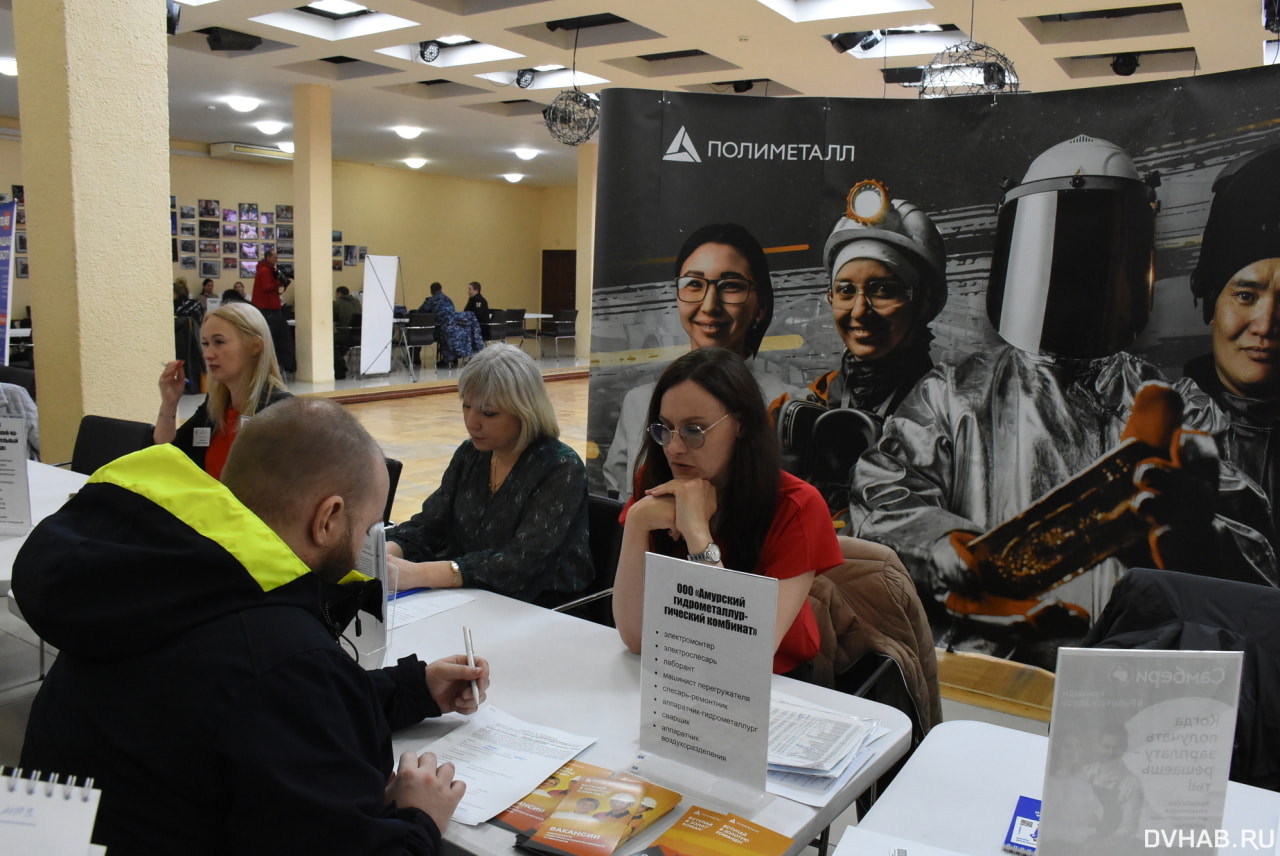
203 436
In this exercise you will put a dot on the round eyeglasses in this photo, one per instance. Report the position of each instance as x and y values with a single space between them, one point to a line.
694 436
882 295
731 289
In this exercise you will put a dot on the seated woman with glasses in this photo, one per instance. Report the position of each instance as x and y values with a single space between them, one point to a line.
710 489
887 280
725 300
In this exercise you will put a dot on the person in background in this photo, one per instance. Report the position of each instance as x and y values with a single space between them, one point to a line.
710 488
243 380
886 274
724 296
17 402
206 291
476 303
238 288
461 334
346 308
510 514
268 286
184 305
1237 386
233 598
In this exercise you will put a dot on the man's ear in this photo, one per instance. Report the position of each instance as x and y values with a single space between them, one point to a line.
327 527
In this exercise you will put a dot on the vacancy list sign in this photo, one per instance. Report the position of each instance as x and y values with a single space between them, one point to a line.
707 665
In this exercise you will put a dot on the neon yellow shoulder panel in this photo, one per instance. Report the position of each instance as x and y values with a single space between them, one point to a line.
164 475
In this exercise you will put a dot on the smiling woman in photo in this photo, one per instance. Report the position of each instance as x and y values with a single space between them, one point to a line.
724 296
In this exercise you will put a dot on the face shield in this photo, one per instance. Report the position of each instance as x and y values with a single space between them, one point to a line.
1073 268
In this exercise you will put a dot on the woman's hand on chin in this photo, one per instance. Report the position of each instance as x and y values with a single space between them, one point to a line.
695 504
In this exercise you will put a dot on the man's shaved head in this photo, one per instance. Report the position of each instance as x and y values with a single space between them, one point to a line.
297 452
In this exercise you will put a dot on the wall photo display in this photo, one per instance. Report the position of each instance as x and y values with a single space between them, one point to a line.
248 250
20 267
187 229
284 249
209 208
187 245
248 270
210 249
209 229
187 212
210 269
249 212
284 232
187 262
230 264
284 213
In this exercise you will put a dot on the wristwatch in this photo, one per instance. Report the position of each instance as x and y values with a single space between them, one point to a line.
709 556
457 574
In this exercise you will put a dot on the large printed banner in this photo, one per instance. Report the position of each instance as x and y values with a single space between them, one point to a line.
981 422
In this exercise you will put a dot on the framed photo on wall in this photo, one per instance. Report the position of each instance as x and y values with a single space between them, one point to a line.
284 212
284 232
209 229
267 233
350 253
248 250
248 269
230 215
248 231
187 212
187 229
230 264
263 249
337 251
284 249
337 236
209 208
187 245
20 242
210 269
337 264
266 218
210 249
230 230
249 211
187 262
20 268
230 248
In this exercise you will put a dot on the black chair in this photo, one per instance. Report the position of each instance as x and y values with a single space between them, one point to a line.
605 535
563 327
394 468
495 329
420 333
102 439
515 325
25 378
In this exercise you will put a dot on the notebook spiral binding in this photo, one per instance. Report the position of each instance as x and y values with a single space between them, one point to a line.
34 780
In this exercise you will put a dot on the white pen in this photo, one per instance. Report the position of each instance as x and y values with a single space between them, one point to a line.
471 660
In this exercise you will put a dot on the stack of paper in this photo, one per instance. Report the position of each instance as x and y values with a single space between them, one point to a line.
813 751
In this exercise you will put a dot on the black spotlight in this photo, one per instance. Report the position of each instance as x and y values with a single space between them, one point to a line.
1125 64
994 78
742 85
524 78
864 40
429 51
172 13
222 39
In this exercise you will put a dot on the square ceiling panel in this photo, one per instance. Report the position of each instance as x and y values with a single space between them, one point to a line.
331 29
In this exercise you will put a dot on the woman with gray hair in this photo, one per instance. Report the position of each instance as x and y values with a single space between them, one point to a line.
510 514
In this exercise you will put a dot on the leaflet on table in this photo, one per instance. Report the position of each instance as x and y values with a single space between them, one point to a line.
533 809
1141 742
707 666
425 604
15 492
857 841
598 815
502 758
807 738
818 790
702 832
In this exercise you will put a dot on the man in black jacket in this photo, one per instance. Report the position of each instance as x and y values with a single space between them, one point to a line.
199 681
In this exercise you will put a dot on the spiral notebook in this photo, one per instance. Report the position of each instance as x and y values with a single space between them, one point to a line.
49 815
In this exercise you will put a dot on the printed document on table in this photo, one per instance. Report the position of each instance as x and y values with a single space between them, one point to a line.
415 607
502 758
807 738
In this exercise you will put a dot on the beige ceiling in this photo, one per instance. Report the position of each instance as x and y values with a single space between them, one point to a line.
472 124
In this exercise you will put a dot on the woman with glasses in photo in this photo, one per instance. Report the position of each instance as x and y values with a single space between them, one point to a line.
886 271
710 489
724 297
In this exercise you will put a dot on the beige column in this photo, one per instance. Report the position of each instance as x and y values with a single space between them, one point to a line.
588 158
94 85
313 229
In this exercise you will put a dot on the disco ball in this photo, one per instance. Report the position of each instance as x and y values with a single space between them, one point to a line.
968 68
572 117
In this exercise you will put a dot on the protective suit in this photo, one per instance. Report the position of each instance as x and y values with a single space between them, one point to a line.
977 443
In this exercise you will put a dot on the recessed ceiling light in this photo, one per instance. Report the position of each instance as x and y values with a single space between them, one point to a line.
338 7
513 177
8 66
242 104
415 163
526 154
196 2
270 127
285 146
407 132
548 67
453 40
